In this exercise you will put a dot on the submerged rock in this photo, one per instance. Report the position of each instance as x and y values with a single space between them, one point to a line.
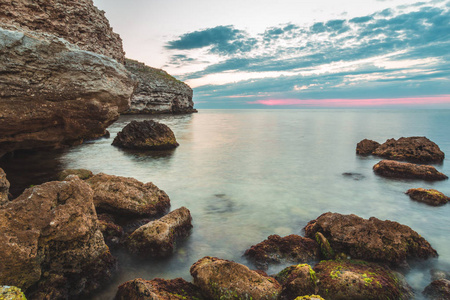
53 94
158 238
366 147
372 240
146 135
438 290
292 248
344 280
224 279
158 289
413 149
4 187
430 197
50 243
125 196
158 92
395 169
83 174
297 280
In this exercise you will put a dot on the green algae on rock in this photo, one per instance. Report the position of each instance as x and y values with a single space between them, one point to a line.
428 196
11 293
297 280
353 279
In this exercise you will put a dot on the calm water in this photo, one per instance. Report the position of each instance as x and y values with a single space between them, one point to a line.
247 174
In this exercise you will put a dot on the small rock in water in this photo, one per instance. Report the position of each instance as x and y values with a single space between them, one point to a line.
430 196
354 176
366 147
395 169
438 290
146 135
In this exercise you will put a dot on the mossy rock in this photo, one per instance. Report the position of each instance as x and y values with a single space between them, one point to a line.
11 293
297 280
309 297
356 279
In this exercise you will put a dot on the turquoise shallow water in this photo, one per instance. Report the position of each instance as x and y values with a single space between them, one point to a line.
247 174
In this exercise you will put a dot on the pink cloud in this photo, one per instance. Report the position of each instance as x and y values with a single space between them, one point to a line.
412 101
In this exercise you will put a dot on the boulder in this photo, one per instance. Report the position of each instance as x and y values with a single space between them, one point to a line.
81 173
126 196
413 149
79 22
50 243
158 92
297 280
53 94
146 135
437 274
224 279
345 279
11 293
371 240
366 147
4 187
158 289
431 197
158 238
292 248
438 290
395 169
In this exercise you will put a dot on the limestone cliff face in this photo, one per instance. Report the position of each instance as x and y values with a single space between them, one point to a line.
158 92
79 22
53 94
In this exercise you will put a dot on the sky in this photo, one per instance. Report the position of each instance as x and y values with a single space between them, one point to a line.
294 53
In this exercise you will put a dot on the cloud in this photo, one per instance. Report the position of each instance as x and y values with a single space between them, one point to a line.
221 39
397 52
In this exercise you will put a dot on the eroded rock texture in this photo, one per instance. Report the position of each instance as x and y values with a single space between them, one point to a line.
50 243
395 169
4 187
428 196
79 22
370 239
158 92
224 279
54 94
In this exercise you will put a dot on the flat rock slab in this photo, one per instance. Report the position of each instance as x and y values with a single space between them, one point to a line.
370 239
160 289
126 196
158 238
146 135
345 279
292 248
428 196
224 279
395 169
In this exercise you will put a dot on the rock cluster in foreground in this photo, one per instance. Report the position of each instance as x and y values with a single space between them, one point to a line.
158 92
146 135
413 149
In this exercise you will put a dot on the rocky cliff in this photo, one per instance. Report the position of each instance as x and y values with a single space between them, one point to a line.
54 91
158 92
79 22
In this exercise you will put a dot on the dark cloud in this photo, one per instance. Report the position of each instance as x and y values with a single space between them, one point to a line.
223 39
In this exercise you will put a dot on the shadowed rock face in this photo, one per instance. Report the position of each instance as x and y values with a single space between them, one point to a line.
372 240
50 243
223 279
146 135
53 94
4 187
158 92
395 169
161 289
438 290
292 248
79 22
430 196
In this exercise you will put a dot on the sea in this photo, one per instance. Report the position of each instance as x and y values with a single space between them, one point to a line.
248 174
